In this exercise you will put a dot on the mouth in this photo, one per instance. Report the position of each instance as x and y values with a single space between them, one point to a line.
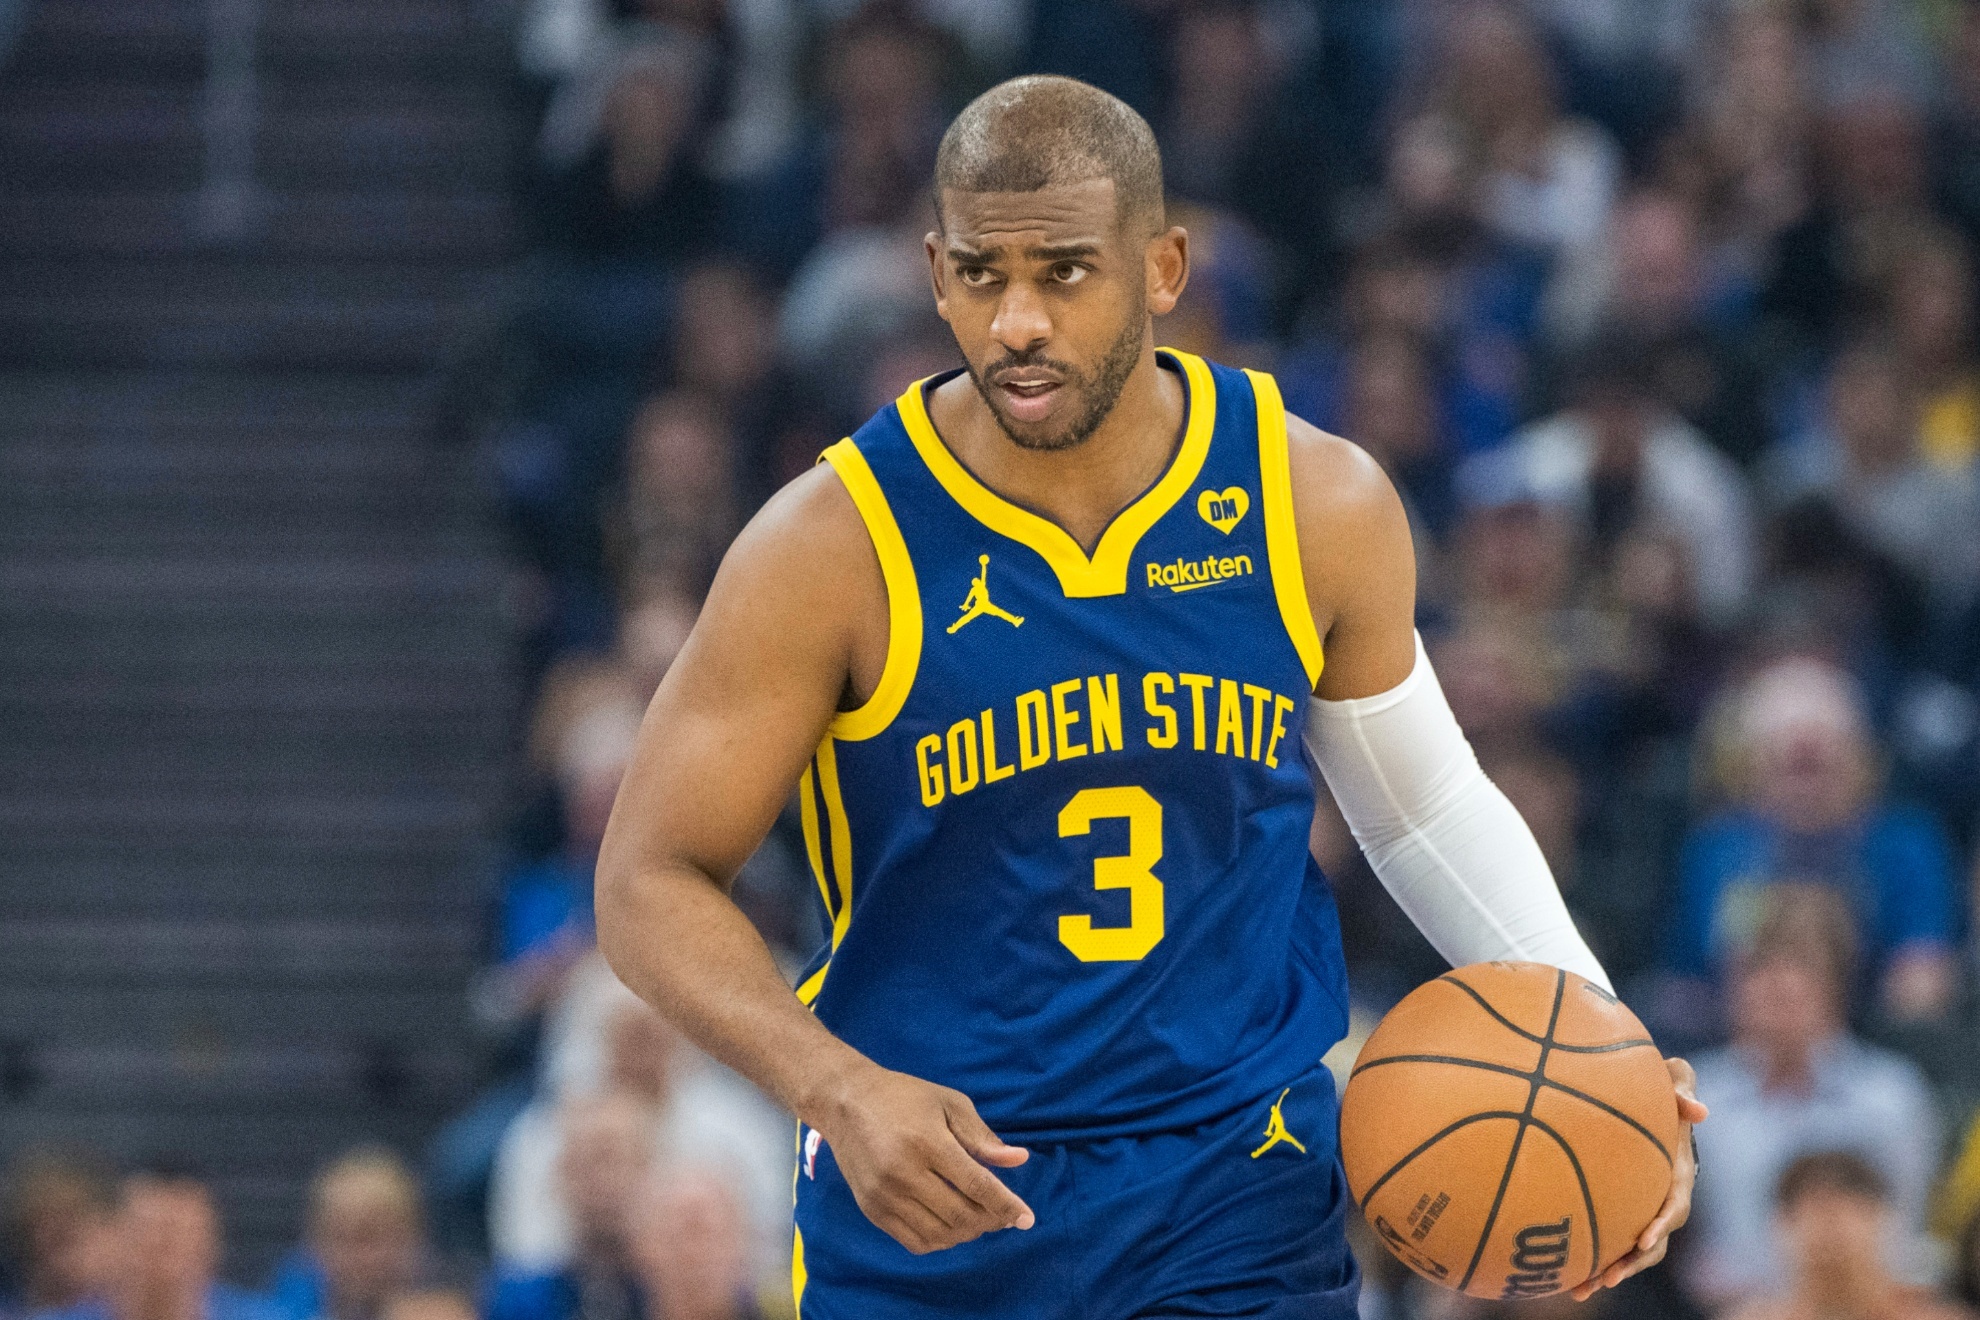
1029 398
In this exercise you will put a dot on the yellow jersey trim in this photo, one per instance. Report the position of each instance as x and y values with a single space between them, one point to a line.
826 763
813 845
798 1276
1106 573
903 598
1281 530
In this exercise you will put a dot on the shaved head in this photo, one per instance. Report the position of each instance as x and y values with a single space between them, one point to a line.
1041 131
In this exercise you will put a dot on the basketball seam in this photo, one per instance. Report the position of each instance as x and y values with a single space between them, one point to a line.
1525 1119
1499 1017
1517 1030
1509 1071
1587 1198
1400 1164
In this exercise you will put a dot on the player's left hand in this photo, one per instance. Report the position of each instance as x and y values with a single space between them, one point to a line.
1656 1239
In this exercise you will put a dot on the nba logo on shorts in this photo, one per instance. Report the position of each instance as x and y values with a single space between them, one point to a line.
811 1142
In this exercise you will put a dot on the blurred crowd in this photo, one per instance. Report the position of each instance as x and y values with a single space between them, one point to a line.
1661 314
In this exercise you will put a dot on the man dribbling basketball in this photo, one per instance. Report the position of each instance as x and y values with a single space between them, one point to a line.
1038 646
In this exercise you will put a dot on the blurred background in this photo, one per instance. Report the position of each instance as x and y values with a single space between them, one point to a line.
382 380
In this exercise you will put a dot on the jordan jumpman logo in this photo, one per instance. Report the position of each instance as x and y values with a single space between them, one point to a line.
977 603
1275 1129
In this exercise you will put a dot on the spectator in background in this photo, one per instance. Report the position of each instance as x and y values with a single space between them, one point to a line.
1931 318
1862 457
1391 410
690 1111
1956 1216
57 1239
1548 180
604 1153
1861 48
1801 766
691 1248
1625 461
863 170
621 174
1742 157
364 1240
166 1259
587 717
679 510
1227 316
1651 276
1955 139
1831 268
658 616
1239 136
725 351
428 1304
1795 1080
1833 1214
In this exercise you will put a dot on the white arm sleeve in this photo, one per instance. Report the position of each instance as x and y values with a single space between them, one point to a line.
1442 838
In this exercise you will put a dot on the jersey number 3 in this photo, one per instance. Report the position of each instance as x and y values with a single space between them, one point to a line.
1133 873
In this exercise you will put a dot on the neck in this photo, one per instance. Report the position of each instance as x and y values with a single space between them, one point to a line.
1084 487
723 1308
1845 1292
165 1302
1790 1066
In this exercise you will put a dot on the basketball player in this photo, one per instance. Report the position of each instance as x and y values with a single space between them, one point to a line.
1037 647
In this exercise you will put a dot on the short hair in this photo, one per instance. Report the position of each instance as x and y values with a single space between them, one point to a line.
1041 130
1809 924
1841 1171
375 1173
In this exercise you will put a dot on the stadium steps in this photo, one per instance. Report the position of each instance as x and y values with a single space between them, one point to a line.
254 709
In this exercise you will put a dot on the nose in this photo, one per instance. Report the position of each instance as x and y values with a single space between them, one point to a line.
1022 322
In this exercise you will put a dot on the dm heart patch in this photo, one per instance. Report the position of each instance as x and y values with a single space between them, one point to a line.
1223 509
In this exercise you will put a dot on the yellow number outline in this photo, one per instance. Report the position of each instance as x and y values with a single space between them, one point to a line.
1133 872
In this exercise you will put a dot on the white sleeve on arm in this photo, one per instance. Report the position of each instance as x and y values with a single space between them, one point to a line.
1442 838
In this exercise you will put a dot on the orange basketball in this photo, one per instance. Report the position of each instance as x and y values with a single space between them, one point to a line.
1508 1130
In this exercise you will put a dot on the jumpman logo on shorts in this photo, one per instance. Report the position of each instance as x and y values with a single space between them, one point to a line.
1275 1129
977 603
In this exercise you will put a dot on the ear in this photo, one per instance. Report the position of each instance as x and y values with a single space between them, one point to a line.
931 243
1167 268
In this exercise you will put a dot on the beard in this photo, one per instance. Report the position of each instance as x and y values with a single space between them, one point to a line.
1096 392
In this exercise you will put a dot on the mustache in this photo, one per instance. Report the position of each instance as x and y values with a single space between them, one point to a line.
1010 362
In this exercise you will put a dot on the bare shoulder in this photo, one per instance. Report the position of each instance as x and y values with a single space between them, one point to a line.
1337 486
801 585
813 514
1353 533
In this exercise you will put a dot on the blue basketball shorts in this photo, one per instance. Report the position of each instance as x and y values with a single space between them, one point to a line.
1245 1216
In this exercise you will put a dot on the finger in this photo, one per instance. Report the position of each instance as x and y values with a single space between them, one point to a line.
1684 1080
911 1224
1635 1263
976 1136
928 1208
981 1190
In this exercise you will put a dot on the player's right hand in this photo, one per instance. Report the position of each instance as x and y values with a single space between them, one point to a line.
914 1154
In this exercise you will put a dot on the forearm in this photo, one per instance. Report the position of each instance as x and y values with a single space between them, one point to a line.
1441 837
681 944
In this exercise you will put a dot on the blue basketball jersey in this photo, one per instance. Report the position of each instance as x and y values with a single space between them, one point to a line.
1063 846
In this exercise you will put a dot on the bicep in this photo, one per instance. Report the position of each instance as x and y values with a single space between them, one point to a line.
1358 561
745 704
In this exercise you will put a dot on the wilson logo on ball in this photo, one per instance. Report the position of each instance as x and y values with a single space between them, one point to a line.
1540 1252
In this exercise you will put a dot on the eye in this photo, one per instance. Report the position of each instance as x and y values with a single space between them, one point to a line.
1068 272
974 276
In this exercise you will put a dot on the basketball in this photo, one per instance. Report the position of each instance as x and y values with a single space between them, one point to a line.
1508 1130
